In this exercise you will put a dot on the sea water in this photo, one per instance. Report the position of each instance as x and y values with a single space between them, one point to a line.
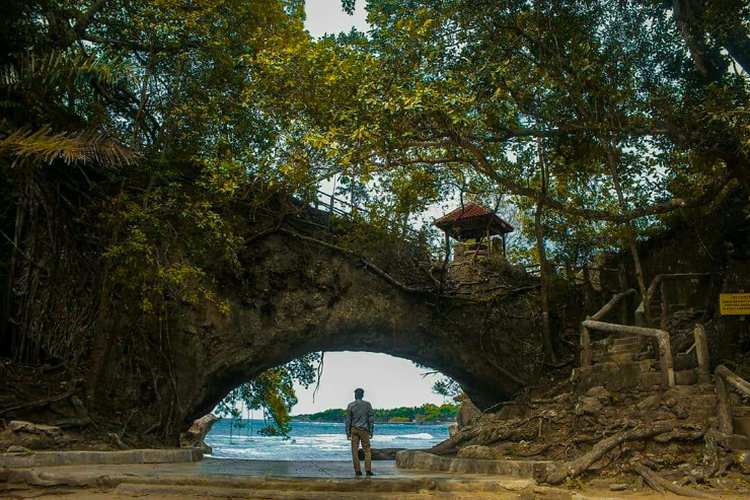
314 440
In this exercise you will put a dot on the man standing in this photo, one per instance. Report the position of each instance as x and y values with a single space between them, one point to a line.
360 425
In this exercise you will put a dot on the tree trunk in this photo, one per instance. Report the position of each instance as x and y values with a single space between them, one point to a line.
629 232
549 351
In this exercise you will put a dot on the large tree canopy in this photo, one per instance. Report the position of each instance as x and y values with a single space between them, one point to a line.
459 90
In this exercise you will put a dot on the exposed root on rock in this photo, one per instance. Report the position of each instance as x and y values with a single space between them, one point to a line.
558 473
661 485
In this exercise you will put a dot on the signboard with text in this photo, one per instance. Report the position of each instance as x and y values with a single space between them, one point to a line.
734 304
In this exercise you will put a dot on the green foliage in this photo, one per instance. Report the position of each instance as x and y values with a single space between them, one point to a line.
427 413
273 392
447 98
447 387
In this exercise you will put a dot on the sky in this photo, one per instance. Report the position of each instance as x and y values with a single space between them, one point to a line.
327 17
388 382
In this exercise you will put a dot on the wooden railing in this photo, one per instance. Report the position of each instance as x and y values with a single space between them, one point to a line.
665 350
332 207
701 352
606 309
726 379
659 282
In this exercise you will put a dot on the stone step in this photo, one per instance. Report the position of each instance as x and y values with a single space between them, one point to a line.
741 425
618 358
173 491
420 460
626 341
703 401
624 350
289 481
701 414
90 457
691 391
738 442
686 377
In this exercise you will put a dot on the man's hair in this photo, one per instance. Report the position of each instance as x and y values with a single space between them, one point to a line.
359 393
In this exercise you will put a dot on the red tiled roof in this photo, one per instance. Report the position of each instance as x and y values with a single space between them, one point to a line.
467 211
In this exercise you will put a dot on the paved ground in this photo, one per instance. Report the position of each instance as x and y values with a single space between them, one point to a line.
215 467
281 480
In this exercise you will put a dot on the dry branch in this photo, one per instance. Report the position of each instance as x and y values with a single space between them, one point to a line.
557 473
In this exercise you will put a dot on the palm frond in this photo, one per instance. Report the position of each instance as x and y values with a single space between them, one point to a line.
84 147
58 67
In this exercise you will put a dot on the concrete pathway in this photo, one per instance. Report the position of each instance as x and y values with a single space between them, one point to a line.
214 467
281 480
265 475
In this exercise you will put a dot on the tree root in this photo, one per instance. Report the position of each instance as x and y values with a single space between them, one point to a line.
661 485
559 472
710 454
39 403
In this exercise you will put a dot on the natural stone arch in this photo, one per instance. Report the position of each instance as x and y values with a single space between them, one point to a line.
298 298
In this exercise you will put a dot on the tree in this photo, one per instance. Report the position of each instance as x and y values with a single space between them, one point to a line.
273 392
130 159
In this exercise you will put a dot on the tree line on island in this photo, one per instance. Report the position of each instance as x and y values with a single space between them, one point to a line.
428 413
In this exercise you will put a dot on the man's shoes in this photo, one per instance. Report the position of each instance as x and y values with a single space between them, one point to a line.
357 473
370 473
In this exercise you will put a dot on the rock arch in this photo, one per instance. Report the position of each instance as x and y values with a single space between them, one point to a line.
298 297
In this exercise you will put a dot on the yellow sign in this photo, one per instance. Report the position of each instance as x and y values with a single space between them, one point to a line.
736 304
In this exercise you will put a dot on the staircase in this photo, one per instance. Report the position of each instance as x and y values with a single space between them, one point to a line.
640 357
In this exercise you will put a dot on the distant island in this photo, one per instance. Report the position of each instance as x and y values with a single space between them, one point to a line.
426 414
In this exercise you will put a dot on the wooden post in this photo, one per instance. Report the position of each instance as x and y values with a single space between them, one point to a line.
504 252
701 351
725 404
664 304
585 346
665 360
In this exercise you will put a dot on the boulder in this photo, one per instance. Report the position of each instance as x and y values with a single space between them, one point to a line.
452 430
650 403
19 449
34 436
195 436
29 428
588 405
476 451
600 393
468 414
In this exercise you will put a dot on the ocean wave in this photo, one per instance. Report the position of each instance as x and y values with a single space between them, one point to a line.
318 441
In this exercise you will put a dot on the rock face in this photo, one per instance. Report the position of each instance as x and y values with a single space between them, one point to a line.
298 290
20 435
476 451
468 414
196 435
296 298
